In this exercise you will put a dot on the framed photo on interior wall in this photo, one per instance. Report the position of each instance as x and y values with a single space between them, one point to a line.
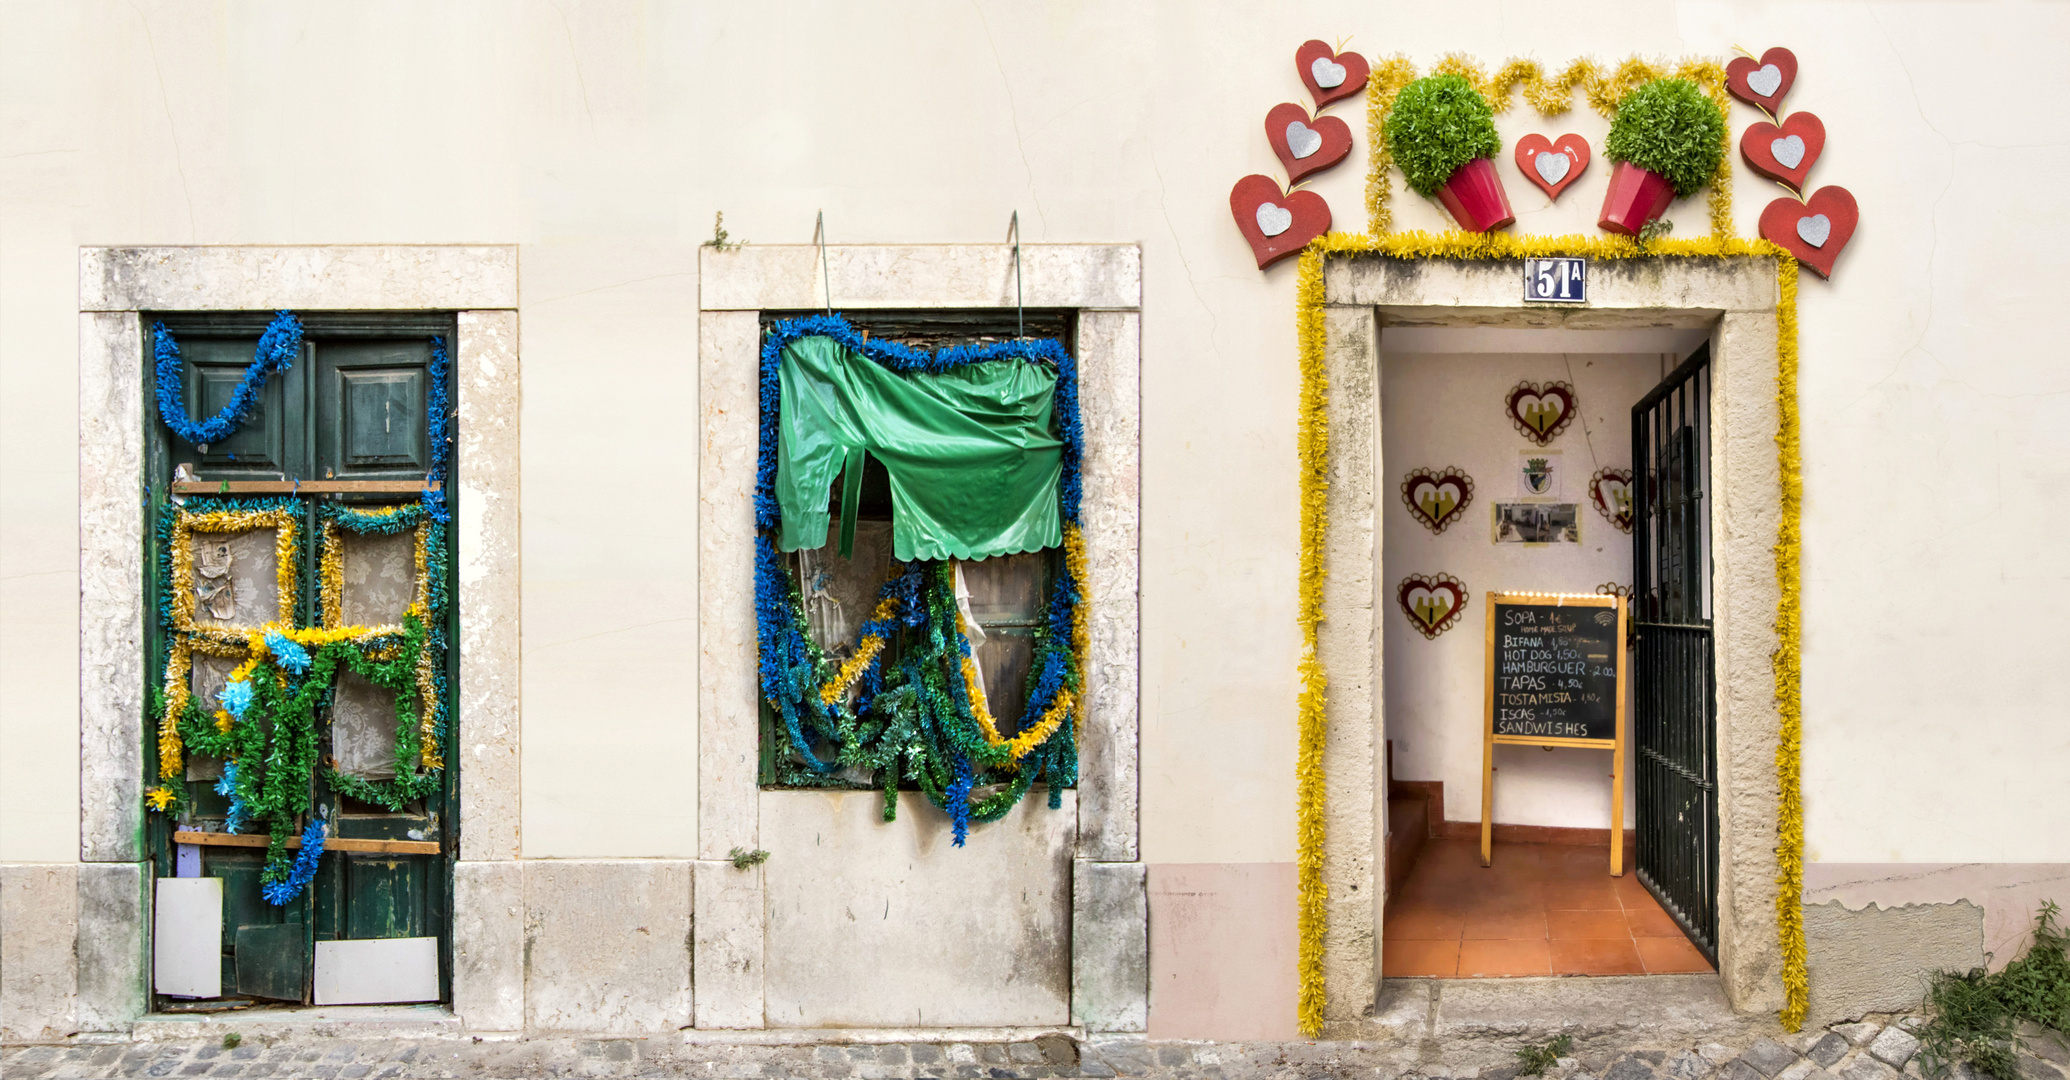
1537 523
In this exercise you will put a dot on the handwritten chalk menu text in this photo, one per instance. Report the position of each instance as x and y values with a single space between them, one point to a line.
1555 671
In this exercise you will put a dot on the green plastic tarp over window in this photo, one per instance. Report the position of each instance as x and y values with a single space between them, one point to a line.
973 452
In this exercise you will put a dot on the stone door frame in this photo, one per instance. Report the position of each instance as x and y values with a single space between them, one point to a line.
1109 937
1736 299
116 286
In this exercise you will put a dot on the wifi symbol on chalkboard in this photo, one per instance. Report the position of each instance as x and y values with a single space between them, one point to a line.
1605 618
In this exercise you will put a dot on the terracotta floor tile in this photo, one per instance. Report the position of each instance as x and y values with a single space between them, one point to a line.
1506 926
1650 921
1632 891
1671 955
1423 922
1583 895
1600 925
1615 956
1419 959
1484 959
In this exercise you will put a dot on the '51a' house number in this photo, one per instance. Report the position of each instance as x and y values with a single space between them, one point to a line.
1557 280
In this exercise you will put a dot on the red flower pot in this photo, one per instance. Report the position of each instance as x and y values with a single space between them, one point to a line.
1475 198
1636 196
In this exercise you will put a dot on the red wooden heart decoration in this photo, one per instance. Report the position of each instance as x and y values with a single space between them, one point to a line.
1550 173
1329 75
1435 497
1306 145
1762 83
1541 412
1784 152
1814 230
1611 491
1432 603
1276 224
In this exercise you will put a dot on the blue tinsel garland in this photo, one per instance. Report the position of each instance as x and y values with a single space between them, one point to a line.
277 349
280 893
439 406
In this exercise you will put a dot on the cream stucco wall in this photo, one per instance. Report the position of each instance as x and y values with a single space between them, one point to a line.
602 137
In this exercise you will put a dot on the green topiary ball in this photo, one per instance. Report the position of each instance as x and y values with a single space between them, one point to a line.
1672 128
1438 124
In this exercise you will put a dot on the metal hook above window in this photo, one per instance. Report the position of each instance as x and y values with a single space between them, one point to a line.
819 240
1013 236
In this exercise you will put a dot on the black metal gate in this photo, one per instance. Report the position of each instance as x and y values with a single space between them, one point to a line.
1675 734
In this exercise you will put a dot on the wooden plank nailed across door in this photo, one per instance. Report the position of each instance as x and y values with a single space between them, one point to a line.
336 843
304 487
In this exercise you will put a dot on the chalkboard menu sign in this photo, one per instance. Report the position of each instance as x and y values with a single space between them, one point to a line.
1555 678
1556 668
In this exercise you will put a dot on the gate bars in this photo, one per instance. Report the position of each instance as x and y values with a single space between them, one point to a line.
1675 724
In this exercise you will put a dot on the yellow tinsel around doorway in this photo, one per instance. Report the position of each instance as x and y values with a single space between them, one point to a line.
1313 449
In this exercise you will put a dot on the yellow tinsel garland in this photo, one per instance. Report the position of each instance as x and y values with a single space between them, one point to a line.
1312 442
330 570
283 524
1020 745
1081 620
1551 96
179 668
1789 628
1312 446
330 573
866 651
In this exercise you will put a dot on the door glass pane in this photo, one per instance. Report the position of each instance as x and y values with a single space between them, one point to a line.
380 577
1007 588
840 593
236 583
363 728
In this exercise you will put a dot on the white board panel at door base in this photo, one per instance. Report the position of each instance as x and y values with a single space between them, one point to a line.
376 972
187 937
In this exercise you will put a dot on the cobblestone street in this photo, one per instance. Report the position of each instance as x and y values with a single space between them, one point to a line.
1868 1050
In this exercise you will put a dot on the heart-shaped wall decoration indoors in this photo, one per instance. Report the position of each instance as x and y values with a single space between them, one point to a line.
1306 145
1813 230
1432 603
1611 491
1276 223
1784 152
1765 82
1330 75
1541 411
1437 497
1552 164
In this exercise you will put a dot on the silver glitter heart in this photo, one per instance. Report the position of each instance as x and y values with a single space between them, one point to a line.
1789 151
1273 220
1812 230
1766 81
1552 165
1327 73
1303 140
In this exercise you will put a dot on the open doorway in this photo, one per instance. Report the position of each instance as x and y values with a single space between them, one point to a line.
1507 465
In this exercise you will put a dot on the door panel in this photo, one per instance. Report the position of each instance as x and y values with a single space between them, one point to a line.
370 401
352 406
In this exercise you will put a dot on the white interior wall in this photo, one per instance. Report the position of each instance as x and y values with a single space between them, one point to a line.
601 136
1447 408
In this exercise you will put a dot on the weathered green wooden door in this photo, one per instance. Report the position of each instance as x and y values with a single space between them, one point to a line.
353 407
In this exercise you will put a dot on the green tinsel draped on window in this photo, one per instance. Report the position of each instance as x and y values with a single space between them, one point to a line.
972 452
